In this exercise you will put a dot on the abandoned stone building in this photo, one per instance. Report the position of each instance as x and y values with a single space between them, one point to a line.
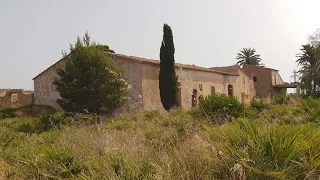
15 97
142 75
243 82
268 80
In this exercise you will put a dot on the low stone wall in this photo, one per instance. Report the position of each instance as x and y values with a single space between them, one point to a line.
16 98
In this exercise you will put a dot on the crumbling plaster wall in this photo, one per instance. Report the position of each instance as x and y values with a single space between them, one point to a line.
46 93
189 79
22 98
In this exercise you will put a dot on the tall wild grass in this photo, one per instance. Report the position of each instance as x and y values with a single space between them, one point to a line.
276 141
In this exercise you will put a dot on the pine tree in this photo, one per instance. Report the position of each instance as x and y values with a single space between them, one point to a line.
89 80
167 76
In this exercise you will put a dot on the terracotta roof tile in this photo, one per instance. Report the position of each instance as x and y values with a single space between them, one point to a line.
231 69
151 61
179 65
260 67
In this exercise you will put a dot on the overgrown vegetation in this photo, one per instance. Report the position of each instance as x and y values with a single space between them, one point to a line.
220 108
260 141
7 112
26 111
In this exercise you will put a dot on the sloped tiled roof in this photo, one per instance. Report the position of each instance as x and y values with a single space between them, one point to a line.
179 65
151 61
230 69
263 67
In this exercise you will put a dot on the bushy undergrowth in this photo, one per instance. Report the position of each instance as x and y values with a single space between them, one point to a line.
280 142
221 108
258 104
34 111
26 111
37 125
311 108
281 99
7 112
259 152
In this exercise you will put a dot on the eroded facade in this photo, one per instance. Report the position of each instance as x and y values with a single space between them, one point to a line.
142 75
15 98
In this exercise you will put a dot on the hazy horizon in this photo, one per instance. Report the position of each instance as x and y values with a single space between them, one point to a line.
206 33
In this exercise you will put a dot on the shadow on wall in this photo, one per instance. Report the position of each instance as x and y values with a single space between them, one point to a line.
16 98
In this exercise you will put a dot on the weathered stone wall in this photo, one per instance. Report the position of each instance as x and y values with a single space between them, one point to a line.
142 75
244 87
46 93
5 101
276 78
132 75
16 98
264 78
45 90
189 79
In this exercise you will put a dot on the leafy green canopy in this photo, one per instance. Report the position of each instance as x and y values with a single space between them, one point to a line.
167 76
90 81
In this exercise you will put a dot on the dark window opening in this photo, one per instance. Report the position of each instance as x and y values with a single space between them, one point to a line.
254 78
230 90
194 98
200 87
179 95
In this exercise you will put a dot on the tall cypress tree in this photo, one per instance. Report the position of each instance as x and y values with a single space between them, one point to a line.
168 80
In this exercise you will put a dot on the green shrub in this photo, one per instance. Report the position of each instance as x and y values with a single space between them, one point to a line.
39 125
119 124
35 111
162 138
258 104
53 121
59 162
311 108
151 115
49 162
284 114
30 125
128 168
220 108
9 139
281 99
26 125
278 152
251 113
7 112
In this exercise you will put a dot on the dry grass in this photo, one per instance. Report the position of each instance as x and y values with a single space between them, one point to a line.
171 146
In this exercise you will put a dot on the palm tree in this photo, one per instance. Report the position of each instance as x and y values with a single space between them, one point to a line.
308 56
248 56
310 68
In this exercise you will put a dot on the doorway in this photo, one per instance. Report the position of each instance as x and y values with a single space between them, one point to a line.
14 99
230 90
179 103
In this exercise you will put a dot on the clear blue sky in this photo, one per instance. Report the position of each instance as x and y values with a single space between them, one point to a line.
206 32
